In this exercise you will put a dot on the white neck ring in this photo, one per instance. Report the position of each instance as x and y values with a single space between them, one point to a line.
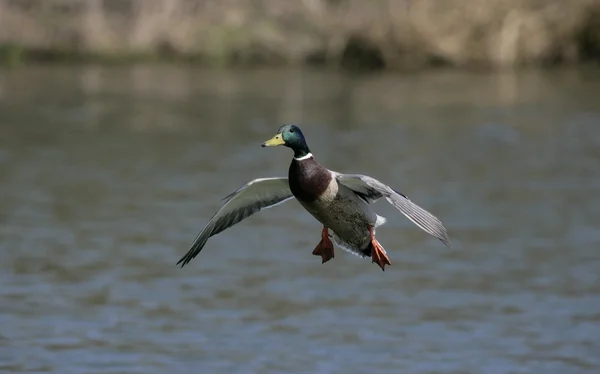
306 157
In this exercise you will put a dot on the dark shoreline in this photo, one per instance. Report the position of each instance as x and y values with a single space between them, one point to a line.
352 34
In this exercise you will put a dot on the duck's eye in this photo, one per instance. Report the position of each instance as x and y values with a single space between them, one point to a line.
292 130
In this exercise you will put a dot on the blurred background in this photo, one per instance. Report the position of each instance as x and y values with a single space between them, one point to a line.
123 123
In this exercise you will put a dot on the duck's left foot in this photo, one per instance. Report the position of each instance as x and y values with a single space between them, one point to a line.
378 254
325 247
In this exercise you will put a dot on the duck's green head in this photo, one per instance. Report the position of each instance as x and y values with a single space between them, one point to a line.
292 137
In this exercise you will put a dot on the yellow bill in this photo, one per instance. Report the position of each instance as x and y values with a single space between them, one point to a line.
274 141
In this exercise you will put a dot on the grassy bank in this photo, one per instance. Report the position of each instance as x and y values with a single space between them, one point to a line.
394 34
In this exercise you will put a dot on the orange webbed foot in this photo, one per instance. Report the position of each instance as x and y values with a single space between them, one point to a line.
378 254
325 247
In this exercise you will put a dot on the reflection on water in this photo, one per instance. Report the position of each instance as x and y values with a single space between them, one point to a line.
107 175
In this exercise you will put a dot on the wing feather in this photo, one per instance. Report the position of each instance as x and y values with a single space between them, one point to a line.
373 190
247 200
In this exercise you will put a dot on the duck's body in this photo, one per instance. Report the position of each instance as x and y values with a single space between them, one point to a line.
341 202
336 206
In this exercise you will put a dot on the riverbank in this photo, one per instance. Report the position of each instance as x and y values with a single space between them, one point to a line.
391 34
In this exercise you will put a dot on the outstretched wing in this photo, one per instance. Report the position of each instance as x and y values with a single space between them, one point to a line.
371 189
249 199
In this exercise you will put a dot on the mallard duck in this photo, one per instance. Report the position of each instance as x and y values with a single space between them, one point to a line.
340 202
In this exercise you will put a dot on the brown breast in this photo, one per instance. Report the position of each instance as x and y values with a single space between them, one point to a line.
308 179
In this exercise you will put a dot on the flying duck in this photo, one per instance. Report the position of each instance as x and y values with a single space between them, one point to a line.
340 202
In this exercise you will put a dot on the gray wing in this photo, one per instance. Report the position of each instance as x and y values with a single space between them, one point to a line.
249 199
370 189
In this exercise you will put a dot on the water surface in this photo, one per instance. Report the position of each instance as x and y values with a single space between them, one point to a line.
108 174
